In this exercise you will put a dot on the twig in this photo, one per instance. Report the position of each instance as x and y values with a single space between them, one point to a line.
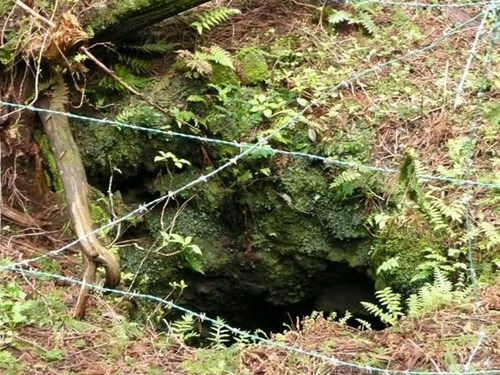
133 91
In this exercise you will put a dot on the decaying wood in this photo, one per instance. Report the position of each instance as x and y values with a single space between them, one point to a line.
20 218
126 21
74 181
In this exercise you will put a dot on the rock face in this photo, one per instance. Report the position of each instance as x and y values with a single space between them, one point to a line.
283 246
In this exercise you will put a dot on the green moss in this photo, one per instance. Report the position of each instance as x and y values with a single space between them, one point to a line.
409 243
252 66
104 147
223 75
51 171
310 192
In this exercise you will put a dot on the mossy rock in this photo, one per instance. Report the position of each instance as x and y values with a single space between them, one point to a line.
409 243
252 66
223 75
309 189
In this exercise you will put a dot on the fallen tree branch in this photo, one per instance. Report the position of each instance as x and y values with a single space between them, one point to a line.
20 218
74 182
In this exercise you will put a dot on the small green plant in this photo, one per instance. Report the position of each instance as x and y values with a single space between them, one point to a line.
53 355
183 329
391 309
200 63
447 265
14 307
183 245
211 18
264 105
432 296
358 16
218 335
223 361
166 156
9 363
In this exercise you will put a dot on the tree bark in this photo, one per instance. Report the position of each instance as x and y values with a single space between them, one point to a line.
133 20
74 181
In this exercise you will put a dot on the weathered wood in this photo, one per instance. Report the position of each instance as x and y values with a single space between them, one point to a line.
74 181
121 23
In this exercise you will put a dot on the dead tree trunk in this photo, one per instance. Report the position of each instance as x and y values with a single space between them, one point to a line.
129 20
74 181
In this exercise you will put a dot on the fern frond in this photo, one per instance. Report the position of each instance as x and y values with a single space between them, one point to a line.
372 308
183 328
338 17
220 56
441 282
149 47
365 326
392 303
415 305
434 215
366 21
196 61
391 300
244 338
455 212
346 176
126 74
219 335
137 65
492 235
212 18
388 265
345 318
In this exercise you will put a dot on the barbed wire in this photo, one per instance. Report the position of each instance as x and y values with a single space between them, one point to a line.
262 143
243 145
239 332
481 335
414 4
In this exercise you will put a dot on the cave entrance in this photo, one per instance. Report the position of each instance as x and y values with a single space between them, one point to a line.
337 289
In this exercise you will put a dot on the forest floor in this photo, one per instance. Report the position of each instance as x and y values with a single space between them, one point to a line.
38 335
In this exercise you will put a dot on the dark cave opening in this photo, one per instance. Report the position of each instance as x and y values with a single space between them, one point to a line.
329 293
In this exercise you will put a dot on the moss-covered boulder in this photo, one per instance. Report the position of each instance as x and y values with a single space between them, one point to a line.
404 244
252 66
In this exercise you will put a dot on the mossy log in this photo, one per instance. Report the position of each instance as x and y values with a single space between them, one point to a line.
74 182
121 19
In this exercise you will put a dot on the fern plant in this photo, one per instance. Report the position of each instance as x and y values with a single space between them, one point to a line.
432 296
212 18
201 60
358 17
391 309
448 265
219 336
183 329
132 63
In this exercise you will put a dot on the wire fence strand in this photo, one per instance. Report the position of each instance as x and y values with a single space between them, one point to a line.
262 144
267 148
239 332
